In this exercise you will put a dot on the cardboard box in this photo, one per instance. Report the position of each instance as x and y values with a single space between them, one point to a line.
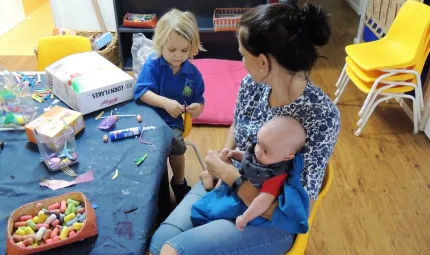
50 119
88 82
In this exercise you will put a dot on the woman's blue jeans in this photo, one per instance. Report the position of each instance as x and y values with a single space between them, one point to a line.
217 237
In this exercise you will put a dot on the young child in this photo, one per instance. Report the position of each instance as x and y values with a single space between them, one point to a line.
266 163
172 85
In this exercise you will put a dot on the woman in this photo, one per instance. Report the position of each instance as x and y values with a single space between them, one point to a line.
278 46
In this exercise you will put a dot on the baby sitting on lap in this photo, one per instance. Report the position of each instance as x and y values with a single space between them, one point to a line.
266 163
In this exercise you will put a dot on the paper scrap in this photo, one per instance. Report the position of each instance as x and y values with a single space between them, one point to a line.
55 101
59 184
115 175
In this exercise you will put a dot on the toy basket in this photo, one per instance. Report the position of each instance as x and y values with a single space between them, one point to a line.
88 230
227 19
110 52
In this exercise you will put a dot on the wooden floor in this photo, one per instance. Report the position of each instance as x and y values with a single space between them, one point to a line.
379 202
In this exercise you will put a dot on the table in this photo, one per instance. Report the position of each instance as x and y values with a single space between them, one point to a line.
118 233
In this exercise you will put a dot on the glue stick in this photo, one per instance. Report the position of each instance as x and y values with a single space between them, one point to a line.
124 133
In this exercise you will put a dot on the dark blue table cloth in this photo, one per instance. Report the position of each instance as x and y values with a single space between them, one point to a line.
136 186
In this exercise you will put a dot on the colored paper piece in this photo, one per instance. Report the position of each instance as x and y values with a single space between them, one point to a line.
59 184
115 175
100 114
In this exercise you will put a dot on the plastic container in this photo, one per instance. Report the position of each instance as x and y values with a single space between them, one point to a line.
140 20
227 19
16 103
58 151
88 230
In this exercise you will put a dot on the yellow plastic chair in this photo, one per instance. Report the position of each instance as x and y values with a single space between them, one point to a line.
53 48
188 124
301 241
403 44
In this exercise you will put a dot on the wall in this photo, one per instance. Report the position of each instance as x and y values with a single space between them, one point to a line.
356 5
66 13
31 5
11 14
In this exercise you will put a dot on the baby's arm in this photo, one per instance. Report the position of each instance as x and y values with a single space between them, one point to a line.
234 154
269 191
258 206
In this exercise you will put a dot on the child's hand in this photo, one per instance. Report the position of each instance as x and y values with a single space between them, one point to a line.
173 107
241 222
195 109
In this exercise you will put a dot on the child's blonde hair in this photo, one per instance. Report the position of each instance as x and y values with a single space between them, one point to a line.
183 23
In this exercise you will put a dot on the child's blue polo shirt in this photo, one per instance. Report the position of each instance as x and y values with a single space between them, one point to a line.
185 86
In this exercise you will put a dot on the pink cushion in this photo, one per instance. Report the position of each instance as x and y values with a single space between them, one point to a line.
222 81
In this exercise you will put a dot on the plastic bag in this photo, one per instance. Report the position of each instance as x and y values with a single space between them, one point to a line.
140 50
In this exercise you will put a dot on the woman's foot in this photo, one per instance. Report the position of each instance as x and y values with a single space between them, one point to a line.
179 189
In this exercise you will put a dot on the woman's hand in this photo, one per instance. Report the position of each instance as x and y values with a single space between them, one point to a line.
173 107
195 109
221 169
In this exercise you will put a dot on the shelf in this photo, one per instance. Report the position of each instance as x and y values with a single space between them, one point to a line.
128 66
135 30
205 24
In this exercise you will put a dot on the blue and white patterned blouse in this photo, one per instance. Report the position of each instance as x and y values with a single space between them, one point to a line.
313 109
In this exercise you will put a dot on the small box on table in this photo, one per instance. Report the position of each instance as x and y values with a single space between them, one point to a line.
57 113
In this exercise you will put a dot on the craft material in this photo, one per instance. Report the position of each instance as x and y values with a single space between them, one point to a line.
41 95
122 115
88 82
56 117
124 133
140 160
108 122
100 114
139 118
59 184
26 233
105 138
132 209
16 103
115 175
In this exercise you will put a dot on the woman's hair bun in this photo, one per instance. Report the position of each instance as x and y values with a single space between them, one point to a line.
314 24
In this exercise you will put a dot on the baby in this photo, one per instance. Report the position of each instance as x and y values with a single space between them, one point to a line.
266 163
171 84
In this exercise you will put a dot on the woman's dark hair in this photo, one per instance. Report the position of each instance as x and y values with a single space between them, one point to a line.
286 32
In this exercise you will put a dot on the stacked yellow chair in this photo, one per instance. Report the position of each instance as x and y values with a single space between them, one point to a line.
391 66
53 48
301 241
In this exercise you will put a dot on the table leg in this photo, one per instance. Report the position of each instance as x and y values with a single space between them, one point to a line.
164 204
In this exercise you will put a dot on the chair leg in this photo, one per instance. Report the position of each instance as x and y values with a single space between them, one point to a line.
196 150
366 102
341 89
342 75
366 118
342 84
416 106
369 105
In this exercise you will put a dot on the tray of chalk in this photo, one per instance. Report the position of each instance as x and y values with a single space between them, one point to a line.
50 223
